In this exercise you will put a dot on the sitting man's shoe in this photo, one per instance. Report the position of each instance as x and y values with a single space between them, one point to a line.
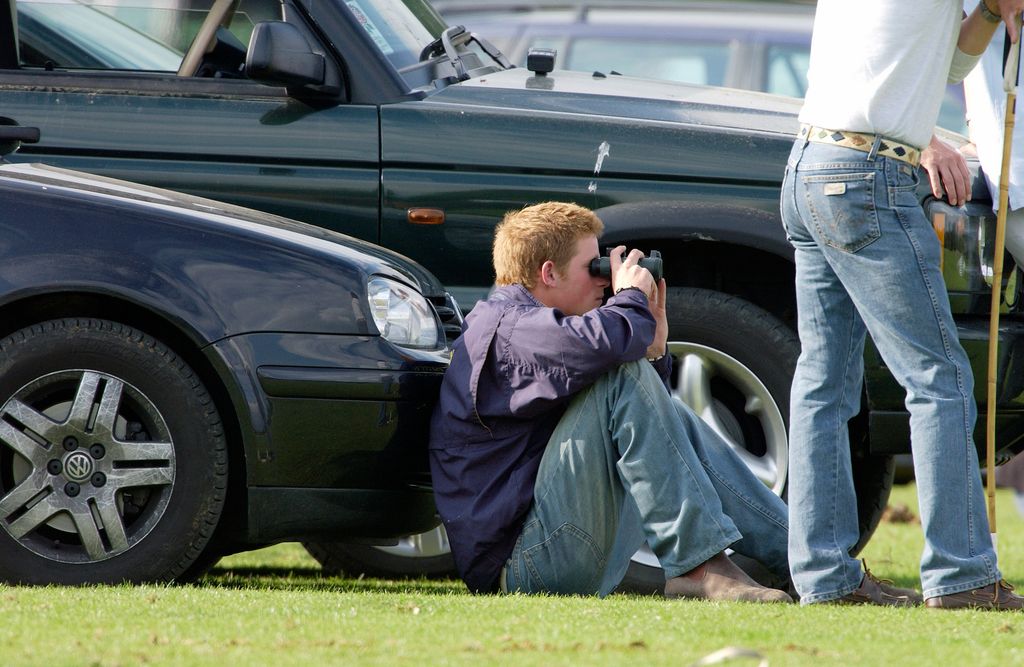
998 596
873 590
720 579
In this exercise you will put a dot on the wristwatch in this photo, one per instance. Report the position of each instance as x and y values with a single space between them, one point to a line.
988 14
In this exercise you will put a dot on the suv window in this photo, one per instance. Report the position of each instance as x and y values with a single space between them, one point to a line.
121 34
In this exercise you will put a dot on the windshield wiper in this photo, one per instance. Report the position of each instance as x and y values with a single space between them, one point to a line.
457 36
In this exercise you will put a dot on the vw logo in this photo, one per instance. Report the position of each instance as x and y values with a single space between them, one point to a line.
77 466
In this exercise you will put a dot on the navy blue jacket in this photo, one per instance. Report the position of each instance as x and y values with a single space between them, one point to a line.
513 371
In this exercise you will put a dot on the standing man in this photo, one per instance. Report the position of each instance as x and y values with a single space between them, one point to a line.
867 260
556 449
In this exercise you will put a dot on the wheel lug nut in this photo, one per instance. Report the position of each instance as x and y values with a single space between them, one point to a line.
70 443
72 489
98 479
97 451
54 467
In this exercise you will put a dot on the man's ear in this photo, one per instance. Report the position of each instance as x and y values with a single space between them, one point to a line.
548 275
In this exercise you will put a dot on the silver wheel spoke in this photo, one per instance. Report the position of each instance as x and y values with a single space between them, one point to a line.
34 421
123 478
20 495
24 445
430 543
112 523
695 390
763 467
140 451
106 416
37 515
85 397
89 533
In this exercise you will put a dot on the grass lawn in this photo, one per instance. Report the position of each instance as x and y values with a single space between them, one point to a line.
272 607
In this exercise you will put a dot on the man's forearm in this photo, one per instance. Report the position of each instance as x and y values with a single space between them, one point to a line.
976 30
978 27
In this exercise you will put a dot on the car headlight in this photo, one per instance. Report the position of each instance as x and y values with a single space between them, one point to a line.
402 315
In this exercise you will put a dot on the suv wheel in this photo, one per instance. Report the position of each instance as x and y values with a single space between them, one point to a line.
113 464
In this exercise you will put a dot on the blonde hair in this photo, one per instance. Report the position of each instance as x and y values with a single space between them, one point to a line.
527 238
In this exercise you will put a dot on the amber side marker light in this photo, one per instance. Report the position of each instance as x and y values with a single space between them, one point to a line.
425 216
939 223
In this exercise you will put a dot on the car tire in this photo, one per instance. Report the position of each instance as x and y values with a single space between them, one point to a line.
734 364
423 555
113 460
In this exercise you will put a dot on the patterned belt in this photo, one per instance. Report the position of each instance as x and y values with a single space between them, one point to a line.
862 142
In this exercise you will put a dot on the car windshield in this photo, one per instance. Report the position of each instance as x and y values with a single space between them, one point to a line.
400 29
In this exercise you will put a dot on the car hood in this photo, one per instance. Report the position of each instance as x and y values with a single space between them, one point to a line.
630 97
373 258
594 128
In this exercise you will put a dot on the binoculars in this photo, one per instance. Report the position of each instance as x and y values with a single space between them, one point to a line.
602 266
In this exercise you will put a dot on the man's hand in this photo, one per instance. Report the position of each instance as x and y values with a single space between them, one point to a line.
947 172
657 306
628 273
1010 10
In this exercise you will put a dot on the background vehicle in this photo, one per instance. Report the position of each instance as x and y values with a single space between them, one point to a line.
180 379
754 45
374 118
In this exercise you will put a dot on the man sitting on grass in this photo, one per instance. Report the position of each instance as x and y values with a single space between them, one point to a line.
556 449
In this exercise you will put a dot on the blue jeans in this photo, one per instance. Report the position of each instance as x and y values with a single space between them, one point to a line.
867 261
627 462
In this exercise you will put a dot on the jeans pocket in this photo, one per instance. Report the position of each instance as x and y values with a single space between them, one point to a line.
904 193
567 562
842 207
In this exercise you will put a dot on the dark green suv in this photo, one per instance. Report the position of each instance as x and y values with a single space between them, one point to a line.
374 118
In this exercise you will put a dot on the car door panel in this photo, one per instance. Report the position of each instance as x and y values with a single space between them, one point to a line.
217 140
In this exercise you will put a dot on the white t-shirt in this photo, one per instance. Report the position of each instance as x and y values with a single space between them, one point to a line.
986 110
881 66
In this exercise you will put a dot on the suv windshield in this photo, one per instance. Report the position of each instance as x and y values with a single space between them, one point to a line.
399 28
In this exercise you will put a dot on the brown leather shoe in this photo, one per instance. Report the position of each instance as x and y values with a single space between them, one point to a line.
719 578
882 592
998 596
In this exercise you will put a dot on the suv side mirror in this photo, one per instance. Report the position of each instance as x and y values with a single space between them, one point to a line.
279 55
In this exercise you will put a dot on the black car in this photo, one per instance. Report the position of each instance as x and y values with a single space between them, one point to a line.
181 378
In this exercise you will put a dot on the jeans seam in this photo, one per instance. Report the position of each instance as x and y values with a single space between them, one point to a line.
947 349
569 528
847 559
750 502
630 370
828 597
960 588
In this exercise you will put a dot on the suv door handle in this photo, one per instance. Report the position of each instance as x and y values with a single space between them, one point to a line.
26 135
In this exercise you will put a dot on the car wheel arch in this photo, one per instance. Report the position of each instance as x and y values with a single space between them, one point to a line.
744 226
705 263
